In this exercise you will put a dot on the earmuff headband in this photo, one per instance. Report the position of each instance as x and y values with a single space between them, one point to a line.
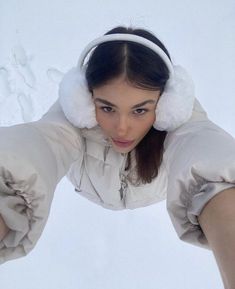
174 107
126 37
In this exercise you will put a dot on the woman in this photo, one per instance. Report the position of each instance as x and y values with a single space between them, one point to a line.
128 132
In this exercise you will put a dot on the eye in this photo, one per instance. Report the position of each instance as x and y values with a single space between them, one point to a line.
106 108
140 111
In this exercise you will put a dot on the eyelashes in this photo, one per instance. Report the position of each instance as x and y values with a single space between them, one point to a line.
106 108
109 109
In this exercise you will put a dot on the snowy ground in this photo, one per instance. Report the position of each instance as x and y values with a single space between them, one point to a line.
106 249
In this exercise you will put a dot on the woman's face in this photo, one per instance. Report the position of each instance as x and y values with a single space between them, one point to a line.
124 113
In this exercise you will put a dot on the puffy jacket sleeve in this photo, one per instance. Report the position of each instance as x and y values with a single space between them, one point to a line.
33 158
200 158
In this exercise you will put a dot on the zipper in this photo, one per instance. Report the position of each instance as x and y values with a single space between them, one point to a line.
123 181
123 188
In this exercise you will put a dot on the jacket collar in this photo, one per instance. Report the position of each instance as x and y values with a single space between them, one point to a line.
95 134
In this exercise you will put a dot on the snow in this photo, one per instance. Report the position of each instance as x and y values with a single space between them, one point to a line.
83 245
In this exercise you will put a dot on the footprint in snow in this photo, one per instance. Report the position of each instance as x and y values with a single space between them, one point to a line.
5 89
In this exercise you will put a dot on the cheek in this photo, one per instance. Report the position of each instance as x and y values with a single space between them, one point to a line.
149 121
97 114
102 120
144 126
152 117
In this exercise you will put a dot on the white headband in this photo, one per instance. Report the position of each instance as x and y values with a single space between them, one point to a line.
126 37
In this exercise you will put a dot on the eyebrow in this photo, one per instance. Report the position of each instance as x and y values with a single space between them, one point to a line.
113 105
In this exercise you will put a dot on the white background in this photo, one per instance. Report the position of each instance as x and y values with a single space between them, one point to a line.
83 245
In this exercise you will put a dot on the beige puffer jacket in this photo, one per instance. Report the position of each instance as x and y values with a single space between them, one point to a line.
198 162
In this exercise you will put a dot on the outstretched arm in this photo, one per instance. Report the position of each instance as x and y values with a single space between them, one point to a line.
217 221
200 158
33 159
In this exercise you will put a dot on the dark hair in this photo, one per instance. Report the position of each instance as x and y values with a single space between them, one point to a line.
143 68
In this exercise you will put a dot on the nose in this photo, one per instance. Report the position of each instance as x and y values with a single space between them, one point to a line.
122 126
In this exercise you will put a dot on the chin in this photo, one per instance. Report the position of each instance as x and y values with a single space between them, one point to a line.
123 151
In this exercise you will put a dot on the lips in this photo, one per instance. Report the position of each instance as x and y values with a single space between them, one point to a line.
122 140
122 143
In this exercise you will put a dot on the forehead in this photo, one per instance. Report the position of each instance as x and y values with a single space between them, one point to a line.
119 91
